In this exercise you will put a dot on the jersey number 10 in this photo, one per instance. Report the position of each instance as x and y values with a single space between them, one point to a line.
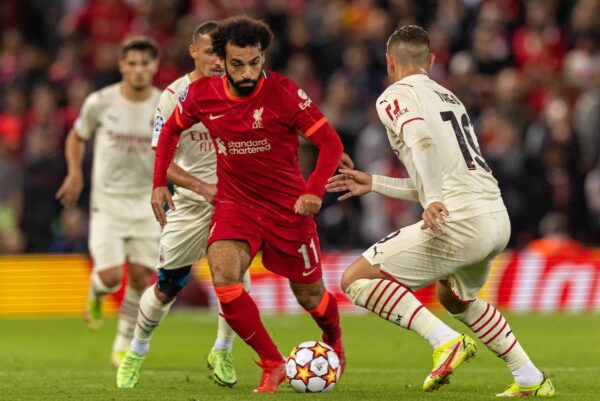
461 133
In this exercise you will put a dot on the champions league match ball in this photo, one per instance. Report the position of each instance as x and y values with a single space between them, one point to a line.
312 367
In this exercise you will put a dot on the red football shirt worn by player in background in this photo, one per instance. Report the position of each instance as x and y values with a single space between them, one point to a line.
256 140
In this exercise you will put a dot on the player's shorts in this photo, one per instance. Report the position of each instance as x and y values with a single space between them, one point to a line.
114 240
290 251
183 240
462 253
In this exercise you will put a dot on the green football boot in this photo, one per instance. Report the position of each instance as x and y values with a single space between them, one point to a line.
220 364
447 358
128 373
543 389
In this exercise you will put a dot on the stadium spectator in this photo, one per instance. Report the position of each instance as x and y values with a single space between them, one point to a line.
507 58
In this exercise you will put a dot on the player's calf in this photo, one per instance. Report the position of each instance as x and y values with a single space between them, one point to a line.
322 306
155 304
102 282
490 326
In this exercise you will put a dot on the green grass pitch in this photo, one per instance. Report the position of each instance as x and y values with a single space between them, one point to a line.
59 359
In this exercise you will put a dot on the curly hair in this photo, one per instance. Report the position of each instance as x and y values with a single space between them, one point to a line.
242 32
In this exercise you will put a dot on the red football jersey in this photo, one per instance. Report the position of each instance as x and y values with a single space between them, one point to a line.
256 139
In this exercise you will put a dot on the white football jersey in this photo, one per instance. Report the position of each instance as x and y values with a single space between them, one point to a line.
123 159
195 152
468 186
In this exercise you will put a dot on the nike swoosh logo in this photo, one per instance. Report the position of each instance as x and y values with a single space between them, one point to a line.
249 337
304 274
212 117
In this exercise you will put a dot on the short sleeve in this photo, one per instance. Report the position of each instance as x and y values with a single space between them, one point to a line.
89 117
303 113
402 114
165 107
185 111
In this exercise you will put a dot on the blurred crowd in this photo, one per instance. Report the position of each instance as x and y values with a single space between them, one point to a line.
528 72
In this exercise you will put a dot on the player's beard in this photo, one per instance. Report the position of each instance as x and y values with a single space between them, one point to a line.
243 90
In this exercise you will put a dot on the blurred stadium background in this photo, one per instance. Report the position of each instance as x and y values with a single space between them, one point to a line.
528 71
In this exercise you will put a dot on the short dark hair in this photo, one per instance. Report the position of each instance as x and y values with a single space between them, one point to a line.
139 43
204 29
242 32
415 42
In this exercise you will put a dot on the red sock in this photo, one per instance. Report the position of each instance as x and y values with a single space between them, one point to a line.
328 318
242 315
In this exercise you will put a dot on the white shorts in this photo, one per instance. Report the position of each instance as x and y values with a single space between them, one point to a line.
461 253
115 240
183 239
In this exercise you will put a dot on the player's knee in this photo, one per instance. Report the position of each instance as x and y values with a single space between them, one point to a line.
139 282
309 296
171 282
359 269
449 300
110 278
346 281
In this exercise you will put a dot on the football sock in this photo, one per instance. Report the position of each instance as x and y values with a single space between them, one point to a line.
394 302
241 313
493 330
127 318
225 334
150 313
440 335
327 317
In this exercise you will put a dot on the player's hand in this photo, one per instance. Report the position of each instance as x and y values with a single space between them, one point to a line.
308 204
355 182
434 216
208 191
69 191
160 196
346 162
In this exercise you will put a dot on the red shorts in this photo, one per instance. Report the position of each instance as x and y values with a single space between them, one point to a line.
290 251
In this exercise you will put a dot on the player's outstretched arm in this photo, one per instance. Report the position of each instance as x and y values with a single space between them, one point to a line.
182 178
70 190
399 188
355 182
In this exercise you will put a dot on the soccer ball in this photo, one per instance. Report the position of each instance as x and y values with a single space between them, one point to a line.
312 367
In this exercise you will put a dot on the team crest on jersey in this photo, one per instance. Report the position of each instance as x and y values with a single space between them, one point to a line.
258 118
184 93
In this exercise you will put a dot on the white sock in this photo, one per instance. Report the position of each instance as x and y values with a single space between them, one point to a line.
139 348
223 344
127 319
527 375
392 301
441 335
151 313
493 330
225 334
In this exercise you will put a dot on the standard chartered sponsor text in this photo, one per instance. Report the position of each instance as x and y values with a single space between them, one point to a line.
248 147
